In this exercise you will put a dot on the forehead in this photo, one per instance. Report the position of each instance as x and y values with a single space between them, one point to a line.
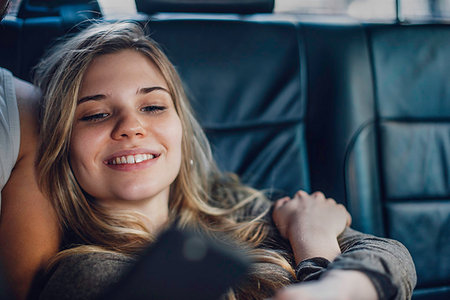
125 66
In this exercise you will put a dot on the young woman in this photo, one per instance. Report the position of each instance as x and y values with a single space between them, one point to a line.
124 158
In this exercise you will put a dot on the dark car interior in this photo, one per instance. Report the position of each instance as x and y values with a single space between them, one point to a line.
360 111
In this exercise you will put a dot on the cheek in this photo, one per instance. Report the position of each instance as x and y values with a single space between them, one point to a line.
173 135
83 147
177 139
76 157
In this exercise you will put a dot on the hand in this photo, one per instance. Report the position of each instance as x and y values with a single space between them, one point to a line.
311 223
336 285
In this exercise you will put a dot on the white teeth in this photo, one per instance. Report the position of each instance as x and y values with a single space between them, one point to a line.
130 159
139 157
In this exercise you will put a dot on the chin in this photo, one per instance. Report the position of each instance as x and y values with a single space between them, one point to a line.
140 194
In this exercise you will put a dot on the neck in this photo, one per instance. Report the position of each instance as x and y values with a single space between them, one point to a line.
155 211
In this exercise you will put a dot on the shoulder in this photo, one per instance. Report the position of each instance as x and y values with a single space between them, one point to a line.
20 100
9 125
27 94
28 99
85 276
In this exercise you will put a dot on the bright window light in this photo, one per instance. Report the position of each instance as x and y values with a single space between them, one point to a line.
117 7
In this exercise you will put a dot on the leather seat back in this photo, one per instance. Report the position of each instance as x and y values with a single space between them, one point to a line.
411 68
247 86
378 135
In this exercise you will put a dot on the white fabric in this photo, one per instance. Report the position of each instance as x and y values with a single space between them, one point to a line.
9 127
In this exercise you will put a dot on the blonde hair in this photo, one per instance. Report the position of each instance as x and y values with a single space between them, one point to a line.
201 197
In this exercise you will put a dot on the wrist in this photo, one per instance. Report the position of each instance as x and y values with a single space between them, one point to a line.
308 246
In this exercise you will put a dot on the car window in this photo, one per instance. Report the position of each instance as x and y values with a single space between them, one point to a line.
371 10
364 10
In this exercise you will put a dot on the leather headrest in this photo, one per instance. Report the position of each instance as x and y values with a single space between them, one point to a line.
206 6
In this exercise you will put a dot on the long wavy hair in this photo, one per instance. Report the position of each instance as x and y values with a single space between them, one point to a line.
201 197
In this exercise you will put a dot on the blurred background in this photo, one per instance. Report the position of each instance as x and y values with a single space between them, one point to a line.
364 10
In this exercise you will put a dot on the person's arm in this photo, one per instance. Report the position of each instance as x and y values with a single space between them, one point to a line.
334 285
368 268
386 262
29 233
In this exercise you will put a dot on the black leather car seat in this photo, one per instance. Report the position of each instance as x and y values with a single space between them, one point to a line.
378 135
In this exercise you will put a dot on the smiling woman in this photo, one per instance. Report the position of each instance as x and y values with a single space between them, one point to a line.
120 106
124 158
111 94
126 137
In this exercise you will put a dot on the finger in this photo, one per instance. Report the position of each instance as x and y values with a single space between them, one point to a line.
349 219
318 195
301 194
280 202
332 200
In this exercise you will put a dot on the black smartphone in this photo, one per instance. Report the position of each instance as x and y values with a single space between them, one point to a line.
182 265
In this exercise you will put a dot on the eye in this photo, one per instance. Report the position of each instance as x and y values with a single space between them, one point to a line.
153 108
95 117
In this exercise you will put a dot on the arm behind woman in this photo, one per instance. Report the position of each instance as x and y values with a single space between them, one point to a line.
29 232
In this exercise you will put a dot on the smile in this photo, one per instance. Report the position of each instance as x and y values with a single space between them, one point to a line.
130 159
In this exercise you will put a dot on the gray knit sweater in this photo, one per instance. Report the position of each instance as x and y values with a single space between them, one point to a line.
386 262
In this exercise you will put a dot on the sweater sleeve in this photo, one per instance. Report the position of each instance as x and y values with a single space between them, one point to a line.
85 276
386 262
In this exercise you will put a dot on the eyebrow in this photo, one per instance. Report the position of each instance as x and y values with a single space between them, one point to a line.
141 91
93 98
147 90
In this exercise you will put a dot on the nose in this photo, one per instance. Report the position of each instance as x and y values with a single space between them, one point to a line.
128 126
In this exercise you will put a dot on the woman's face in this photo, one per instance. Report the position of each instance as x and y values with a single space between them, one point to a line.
126 140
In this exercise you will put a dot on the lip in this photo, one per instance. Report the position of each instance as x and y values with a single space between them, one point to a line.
135 166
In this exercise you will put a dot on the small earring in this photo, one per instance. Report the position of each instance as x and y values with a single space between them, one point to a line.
191 162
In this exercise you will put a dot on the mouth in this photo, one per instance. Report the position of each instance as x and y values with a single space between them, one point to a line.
131 159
